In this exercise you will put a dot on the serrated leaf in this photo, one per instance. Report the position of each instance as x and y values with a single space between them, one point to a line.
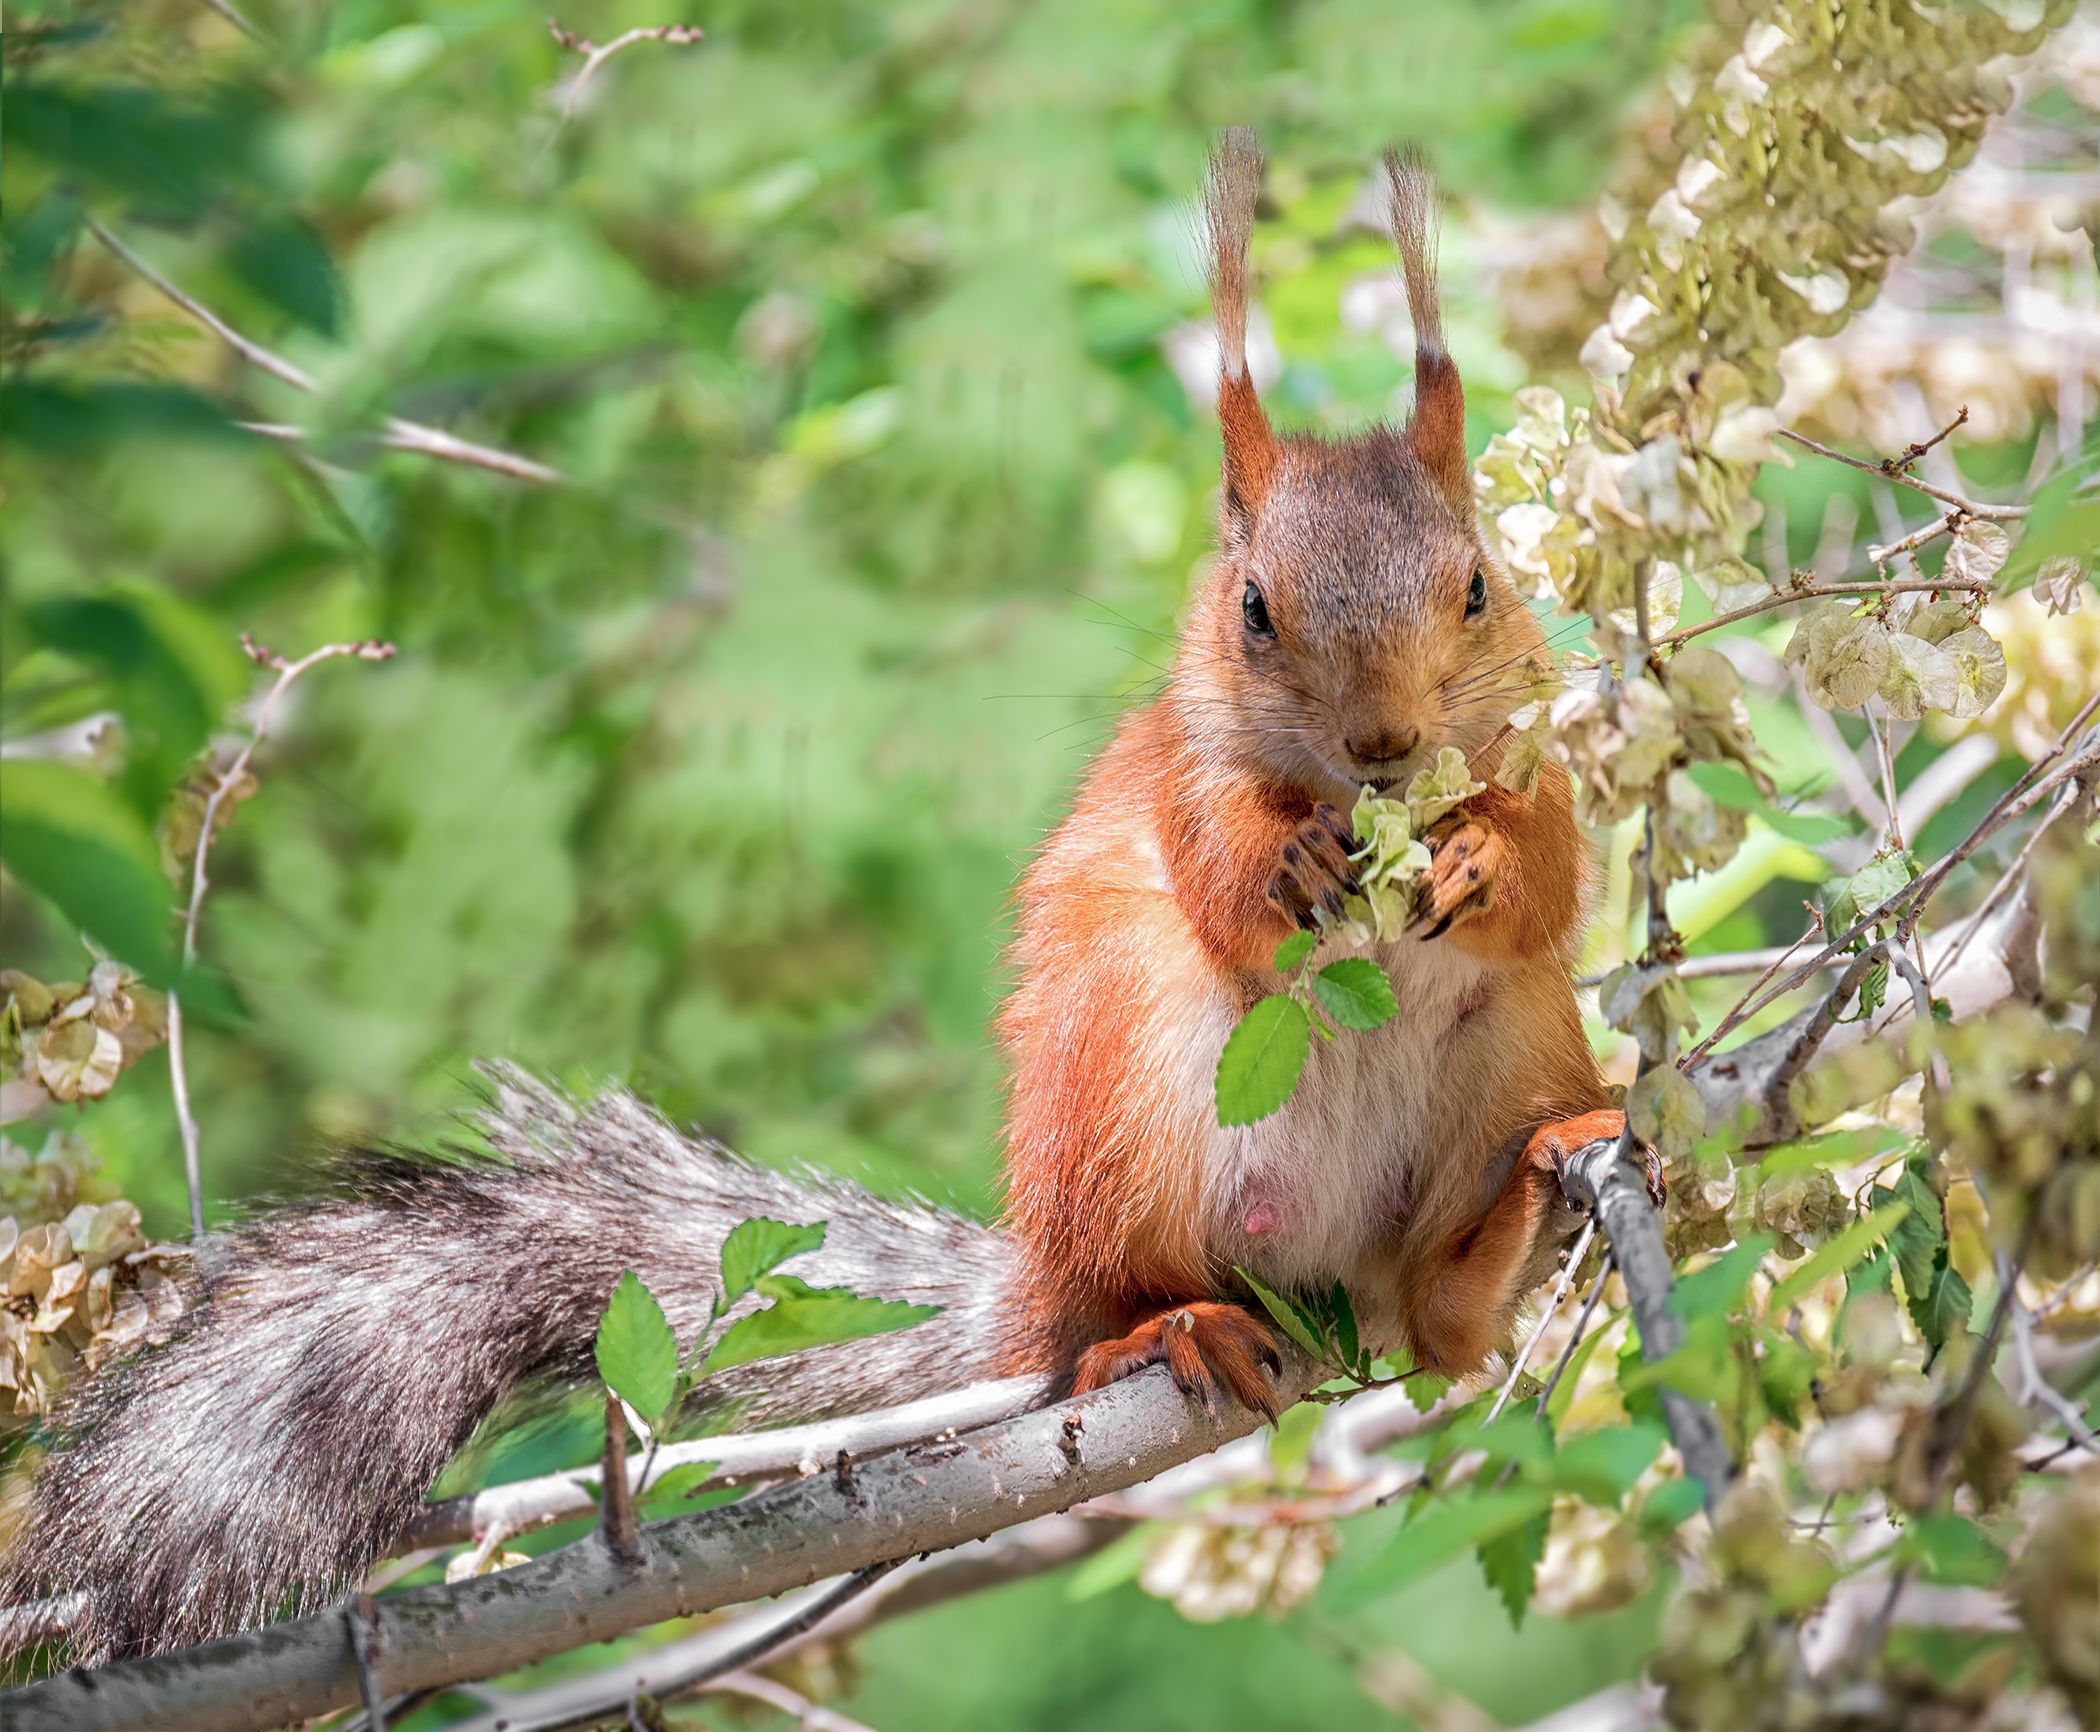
1563 1396
802 1317
1294 950
758 1246
1356 992
1718 1289
636 1350
1262 1060
1424 1389
1444 1531
1934 1292
1510 1562
1290 1317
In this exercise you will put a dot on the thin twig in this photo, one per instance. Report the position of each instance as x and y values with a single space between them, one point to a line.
1921 537
594 56
742 1658
1904 478
1531 1341
396 434
228 780
1820 591
811 1716
745 1460
1582 1322
2035 1389
232 15
1892 466
1908 904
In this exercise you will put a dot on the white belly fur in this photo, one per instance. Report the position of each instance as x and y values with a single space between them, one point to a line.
1332 1170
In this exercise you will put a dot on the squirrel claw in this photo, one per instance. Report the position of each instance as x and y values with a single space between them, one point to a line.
1463 860
1314 871
1203 1345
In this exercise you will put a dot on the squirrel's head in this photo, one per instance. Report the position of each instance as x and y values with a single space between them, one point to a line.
1353 623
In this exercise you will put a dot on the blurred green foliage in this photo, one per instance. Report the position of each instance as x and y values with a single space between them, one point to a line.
709 768
712 768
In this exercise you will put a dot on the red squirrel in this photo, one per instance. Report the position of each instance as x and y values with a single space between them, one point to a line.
1351 625
333 1357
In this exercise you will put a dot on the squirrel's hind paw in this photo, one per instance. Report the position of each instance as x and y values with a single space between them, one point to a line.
1203 1344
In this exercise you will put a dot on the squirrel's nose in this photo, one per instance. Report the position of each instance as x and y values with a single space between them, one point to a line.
1384 746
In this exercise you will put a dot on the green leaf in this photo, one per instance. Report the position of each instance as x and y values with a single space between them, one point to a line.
637 1353
1727 785
1294 950
1602 1466
1356 993
756 1247
679 1483
1563 1396
68 837
802 1317
1425 1389
171 670
1510 1562
1344 1324
1933 1290
1262 1060
1717 1289
1954 1550
1290 1317
1869 887
1670 1505
1444 1531
1837 1254
286 262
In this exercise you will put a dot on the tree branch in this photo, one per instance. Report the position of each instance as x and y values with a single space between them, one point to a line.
1615 1190
923 1498
1820 591
396 434
1892 471
800 1450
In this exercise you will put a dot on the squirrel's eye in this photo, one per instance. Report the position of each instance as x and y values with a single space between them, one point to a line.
1256 612
1477 596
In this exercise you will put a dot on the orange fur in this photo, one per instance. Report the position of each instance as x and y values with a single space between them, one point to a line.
1407 1164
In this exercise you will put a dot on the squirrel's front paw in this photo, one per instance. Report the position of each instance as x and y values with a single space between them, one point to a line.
1314 871
1463 860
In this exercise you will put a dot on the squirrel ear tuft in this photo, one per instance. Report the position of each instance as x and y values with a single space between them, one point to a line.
1229 195
1436 431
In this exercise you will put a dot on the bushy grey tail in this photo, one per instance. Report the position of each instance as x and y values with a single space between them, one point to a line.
336 1357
